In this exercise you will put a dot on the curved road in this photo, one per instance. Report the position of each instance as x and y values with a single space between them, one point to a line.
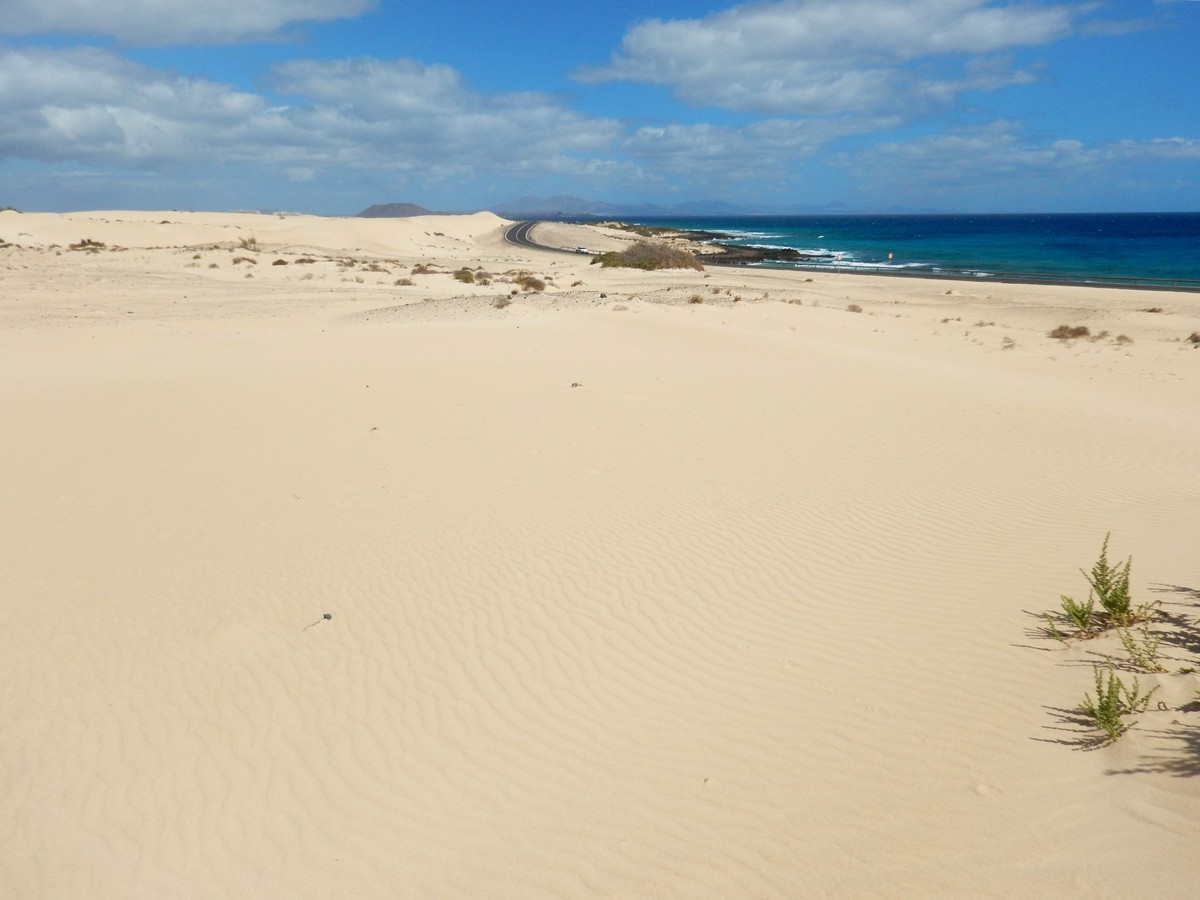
519 234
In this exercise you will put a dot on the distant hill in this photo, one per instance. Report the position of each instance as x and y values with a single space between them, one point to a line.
562 206
393 211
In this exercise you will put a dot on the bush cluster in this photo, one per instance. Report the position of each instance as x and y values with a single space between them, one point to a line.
645 255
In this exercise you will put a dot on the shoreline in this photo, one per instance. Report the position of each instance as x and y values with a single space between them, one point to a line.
793 259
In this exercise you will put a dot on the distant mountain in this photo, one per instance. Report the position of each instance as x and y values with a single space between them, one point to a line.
563 206
559 205
393 211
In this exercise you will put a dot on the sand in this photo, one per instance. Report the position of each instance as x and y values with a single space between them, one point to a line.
670 584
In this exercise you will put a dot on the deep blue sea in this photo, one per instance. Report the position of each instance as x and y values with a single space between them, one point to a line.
1105 247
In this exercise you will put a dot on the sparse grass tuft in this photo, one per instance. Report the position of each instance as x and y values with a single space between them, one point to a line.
1070 332
249 243
89 245
695 298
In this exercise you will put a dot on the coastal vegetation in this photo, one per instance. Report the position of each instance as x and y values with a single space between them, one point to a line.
1139 629
649 256
1114 700
1069 332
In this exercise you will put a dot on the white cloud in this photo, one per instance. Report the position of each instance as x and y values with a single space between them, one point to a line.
998 159
815 57
158 22
91 105
767 148
87 104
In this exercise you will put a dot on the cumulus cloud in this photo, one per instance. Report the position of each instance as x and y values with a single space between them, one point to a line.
158 22
813 57
999 156
86 104
767 148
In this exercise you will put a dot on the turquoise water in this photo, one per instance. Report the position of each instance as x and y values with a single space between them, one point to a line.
1055 247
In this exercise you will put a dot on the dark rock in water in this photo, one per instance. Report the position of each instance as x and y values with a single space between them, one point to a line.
742 255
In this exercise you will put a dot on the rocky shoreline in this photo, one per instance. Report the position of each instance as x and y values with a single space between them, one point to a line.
711 246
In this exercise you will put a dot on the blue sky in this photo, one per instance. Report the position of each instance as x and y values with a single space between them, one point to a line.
328 106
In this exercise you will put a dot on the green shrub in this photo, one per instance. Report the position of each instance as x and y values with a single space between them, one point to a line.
1143 651
644 255
1109 585
1114 699
1081 615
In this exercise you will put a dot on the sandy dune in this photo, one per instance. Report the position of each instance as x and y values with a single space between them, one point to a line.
669 584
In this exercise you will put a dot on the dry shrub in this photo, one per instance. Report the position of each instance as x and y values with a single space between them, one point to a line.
1070 332
280 262
644 255
530 282
695 298
466 276
1194 337
853 307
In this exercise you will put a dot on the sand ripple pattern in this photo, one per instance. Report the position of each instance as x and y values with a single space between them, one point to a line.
664 634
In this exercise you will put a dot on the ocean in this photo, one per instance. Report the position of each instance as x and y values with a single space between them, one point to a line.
1150 249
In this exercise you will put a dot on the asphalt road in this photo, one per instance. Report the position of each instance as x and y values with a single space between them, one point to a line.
519 234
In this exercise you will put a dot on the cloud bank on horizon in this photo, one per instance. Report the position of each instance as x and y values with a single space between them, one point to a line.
331 105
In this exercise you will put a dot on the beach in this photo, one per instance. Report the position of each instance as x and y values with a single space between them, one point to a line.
720 583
